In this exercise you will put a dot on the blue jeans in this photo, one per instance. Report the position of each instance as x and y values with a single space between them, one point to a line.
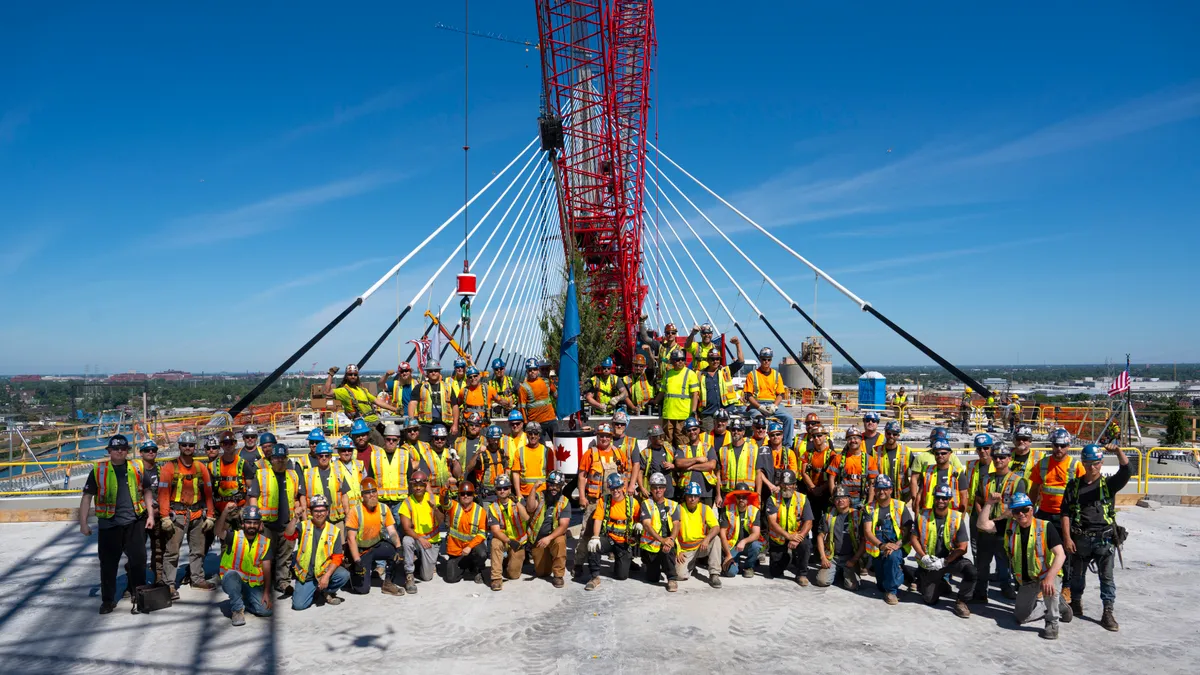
889 571
242 593
789 426
302 596
747 559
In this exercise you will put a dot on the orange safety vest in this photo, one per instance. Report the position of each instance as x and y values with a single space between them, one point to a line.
476 400
229 480
620 528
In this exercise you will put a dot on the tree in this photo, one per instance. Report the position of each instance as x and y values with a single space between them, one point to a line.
598 333
1175 435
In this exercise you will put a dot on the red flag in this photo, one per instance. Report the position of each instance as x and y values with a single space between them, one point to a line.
1119 385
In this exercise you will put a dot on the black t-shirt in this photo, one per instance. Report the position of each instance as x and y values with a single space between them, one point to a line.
1091 506
227 543
1053 538
960 535
124 513
285 507
655 458
842 522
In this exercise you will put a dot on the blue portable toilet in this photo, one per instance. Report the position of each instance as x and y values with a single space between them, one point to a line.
872 391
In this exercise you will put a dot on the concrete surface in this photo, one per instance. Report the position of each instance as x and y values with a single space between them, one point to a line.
49 597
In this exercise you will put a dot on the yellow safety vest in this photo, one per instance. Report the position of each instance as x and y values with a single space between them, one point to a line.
352 473
692 525
894 469
730 394
1037 551
788 514
268 494
604 388
647 455
702 354
246 559
641 390
425 400
740 524
652 511
896 509
106 489
332 490
692 452
830 519
929 534
677 388
359 399
928 484
1005 485
313 543
563 505
437 463
738 469
391 474
421 515
508 515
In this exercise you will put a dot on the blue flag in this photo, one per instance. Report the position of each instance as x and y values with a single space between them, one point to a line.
568 354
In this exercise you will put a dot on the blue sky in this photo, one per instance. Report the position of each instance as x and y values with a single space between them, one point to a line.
202 186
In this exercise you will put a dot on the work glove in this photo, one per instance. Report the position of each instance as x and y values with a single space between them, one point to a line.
453 454
637 528
208 525
937 564
593 545
769 408
398 558
925 562
167 525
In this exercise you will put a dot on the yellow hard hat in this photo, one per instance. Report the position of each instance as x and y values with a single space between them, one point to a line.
967 390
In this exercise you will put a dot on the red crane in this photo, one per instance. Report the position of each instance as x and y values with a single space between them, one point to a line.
596 57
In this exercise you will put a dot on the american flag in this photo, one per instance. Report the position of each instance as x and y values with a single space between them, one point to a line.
424 348
1119 385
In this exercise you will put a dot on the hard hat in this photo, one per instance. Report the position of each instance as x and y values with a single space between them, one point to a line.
472 371
316 435
639 360
774 426
737 424
391 429
657 478
941 444
789 478
323 448
607 362
870 416
966 390
1092 453
811 418
404 365
418 477
250 430
251 513
516 416
657 430
225 436
1024 432
474 418
892 427
497 364
318 502
493 432
1019 500
531 363
359 427
883 482
1016 397
670 328
460 363
280 450
148 446
841 492
345 443
467 488
411 423
1060 437
693 489
766 354
187 438
1000 450
758 422
721 415
368 484
742 486
439 431
615 481
706 328
352 369
620 417
433 365
266 437
693 423
852 431
503 481
556 478
678 355
211 442
533 429
943 492
604 429
984 441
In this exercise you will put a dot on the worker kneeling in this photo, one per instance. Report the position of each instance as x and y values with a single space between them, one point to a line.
617 517
790 519
887 523
246 557
366 527
660 531
420 523
698 533
740 531
319 571
839 544
940 541
506 520
467 523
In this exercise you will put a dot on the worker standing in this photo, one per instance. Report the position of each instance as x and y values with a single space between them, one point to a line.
599 462
678 397
717 435
895 459
774 458
872 439
699 537
736 462
656 457
641 388
246 561
212 450
534 400
660 532
1048 484
964 409
235 481
492 462
789 520
839 543
420 527
887 523
400 388
458 377
1090 533
740 531
1014 412
360 435
503 386
534 460
356 401
705 351
506 520
326 481
158 535
765 392
614 525
349 471
469 443
514 438
1024 457
990 546
900 403
940 540
434 402
124 495
717 389
281 494
438 462
605 390
475 396
626 445
814 463
854 470
185 505
550 517
942 472
1036 556
696 462
390 466
318 567
250 450
371 537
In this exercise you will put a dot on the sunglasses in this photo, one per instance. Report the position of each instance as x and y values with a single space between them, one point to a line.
228 442
503 489
1023 510
941 499
777 433
151 452
118 449
368 492
942 453
187 445
340 450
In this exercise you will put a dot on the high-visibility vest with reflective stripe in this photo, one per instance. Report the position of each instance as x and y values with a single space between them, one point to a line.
737 469
421 515
758 379
896 509
332 490
502 385
494 463
894 469
973 476
619 530
312 543
361 511
604 388
268 494
398 393
466 525
900 399
730 394
533 465
391 473
640 389
689 540
508 515
245 558
532 402
647 455
691 452
352 473
476 400
788 514
1110 504
740 524
1043 472
563 505
1038 554
676 392
929 483
652 511
359 399
928 533
425 400
226 486
438 465
831 519
702 354
177 480
710 440
457 386
1024 467
106 488
1006 487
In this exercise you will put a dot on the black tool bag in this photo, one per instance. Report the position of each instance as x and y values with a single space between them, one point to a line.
152 597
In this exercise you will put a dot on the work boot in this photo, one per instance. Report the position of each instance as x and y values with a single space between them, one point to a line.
1009 591
557 581
239 618
497 585
802 579
1108 621
479 577
410 584
714 581
286 592
1076 605
961 609
174 594
748 573
591 585
1050 632
203 585
391 588
107 607
848 584
331 599
891 599
672 586
1065 612
577 572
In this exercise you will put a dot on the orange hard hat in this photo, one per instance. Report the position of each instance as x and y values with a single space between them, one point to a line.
467 488
639 360
369 483
812 417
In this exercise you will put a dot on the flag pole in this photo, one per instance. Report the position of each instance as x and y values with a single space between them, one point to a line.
1128 402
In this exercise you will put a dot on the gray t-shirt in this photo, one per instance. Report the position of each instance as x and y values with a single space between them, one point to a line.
652 460
698 476
337 550
842 546
123 513
961 535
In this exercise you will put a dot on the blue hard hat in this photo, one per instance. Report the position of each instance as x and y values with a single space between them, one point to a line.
323 448
497 364
472 371
883 482
870 416
493 432
943 492
984 441
460 363
1092 453
941 444
892 427
693 489
1019 500
1060 437
359 427
280 450
439 431
531 363
266 437
251 512
774 426
345 442
692 423
516 416
607 362
316 435
148 446
615 481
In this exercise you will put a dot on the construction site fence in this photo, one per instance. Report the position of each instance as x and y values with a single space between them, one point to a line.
1080 421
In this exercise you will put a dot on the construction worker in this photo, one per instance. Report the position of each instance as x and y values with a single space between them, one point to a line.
400 388
410 437
503 386
758 431
605 391
940 540
942 472
318 567
765 392
900 403
185 507
246 561
854 470
371 537
1090 534
1000 481
212 450
641 389
534 459
660 532
475 396
438 462
679 397
350 471
789 520
514 438
250 450
814 462
234 482
812 421
774 458
266 445
458 379
717 388
1048 484
656 457
360 434
717 435
972 484
696 462
964 408
316 435
356 401
615 522
468 528
601 460
281 495
420 527
895 459
699 537
740 531
737 462
1024 457
390 466
506 520
434 402
871 437
158 535
550 517
838 543
705 351
124 495
989 409
470 442
492 462
1014 413
535 401
323 479
660 348
1036 557
887 524
627 444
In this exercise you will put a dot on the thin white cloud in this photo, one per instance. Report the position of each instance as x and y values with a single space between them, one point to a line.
312 279
12 120
395 97
905 228
905 261
23 249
